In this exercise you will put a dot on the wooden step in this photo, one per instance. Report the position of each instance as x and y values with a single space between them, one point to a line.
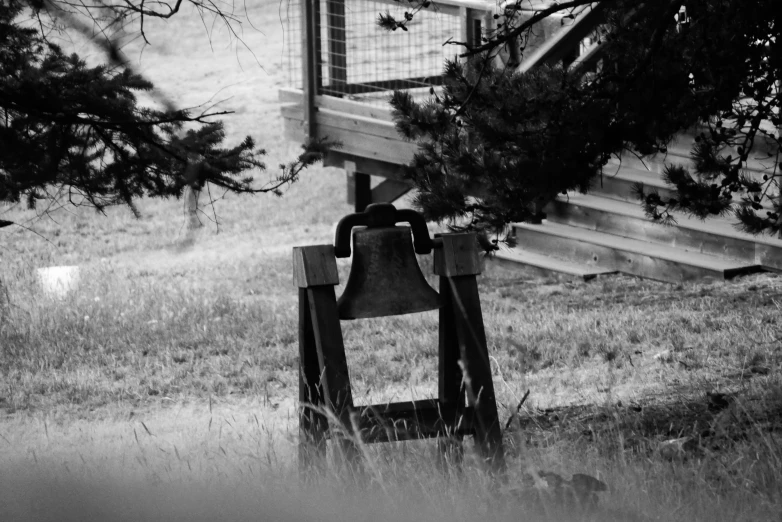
548 265
630 256
715 236
756 166
618 183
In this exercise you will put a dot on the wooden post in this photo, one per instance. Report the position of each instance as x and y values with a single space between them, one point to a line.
359 187
449 379
457 263
315 272
312 422
310 59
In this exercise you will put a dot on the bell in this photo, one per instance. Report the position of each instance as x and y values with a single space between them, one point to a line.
385 278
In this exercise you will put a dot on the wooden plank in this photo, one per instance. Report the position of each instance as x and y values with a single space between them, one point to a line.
359 190
383 85
449 7
541 264
292 112
474 357
628 220
589 59
360 125
337 158
354 141
357 123
288 95
369 146
457 255
310 53
449 373
350 175
314 265
312 423
449 379
296 96
564 40
410 420
335 378
389 190
378 112
630 256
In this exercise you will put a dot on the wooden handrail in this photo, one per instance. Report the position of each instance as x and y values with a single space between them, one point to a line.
564 40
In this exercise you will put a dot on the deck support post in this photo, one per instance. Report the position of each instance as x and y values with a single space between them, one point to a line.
359 187
361 193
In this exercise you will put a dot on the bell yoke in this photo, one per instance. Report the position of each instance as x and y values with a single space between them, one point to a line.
385 280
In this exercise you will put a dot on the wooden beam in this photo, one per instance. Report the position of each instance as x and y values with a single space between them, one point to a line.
334 376
474 358
296 97
314 265
310 54
370 146
312 423
456 262
563 41
338 158
389 190
383 85
372 139
358 185
589 59
450 377
360 124
412 420
457 255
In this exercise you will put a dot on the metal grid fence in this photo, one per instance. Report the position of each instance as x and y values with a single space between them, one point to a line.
356 59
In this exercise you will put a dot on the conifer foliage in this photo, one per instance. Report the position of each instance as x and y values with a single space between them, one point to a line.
496 144
68 130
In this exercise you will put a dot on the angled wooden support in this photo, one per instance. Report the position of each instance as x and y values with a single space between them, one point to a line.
562 44
360 193
457 263
324 382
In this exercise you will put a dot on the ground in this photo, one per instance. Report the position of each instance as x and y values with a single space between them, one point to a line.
170 372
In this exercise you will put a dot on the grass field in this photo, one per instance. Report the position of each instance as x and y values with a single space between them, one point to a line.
164 387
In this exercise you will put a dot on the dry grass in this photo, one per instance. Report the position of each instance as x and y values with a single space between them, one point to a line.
164 387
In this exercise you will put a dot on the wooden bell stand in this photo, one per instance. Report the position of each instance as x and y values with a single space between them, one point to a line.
466 403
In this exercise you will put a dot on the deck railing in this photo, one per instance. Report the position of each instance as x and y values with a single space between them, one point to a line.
343 68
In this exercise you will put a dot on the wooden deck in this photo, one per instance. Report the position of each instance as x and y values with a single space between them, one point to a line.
583 235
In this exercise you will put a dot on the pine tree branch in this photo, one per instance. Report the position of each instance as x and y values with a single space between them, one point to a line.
512 34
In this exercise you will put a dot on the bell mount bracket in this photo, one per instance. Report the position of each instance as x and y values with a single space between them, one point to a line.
378 215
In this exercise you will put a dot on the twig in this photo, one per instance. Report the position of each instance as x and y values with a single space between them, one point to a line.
518 408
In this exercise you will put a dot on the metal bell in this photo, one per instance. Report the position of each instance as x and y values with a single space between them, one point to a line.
385 278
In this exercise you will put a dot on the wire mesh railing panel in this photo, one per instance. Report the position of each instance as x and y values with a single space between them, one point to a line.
356 59
290 18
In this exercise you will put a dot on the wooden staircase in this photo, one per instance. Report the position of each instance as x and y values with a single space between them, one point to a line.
606 231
